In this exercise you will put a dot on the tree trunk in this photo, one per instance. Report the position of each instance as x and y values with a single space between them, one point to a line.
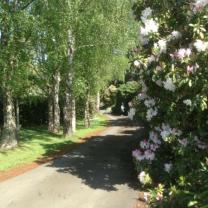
67 108
73 114
87 113
9 138
98 102
17 118
56 108
50 113
69 104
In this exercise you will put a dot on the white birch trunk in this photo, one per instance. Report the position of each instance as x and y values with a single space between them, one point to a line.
70 105
9 137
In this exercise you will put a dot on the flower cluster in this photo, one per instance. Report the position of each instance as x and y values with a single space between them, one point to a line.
150 26
168 167
200 45
192 69
175 35
199 5
166 131
151 112
147 148
182 53
136 63
144 178
169 85
160 47
183 142
149 102
187 102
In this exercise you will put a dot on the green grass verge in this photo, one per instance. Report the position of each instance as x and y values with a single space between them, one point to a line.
38 142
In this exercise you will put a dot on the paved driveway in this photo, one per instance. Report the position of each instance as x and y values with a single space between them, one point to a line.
98 174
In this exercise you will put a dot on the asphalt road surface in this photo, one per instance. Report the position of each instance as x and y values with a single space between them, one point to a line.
98 174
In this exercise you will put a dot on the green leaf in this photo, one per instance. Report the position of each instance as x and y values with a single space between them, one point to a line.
192 203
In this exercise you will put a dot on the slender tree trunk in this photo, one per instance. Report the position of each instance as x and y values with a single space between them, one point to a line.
17 115
69 104
87 113
53 104
73 114
67 112
50 112
98 101
9 133
56 108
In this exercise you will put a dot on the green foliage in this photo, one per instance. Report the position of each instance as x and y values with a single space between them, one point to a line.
125 94
35 44
109 96
128 90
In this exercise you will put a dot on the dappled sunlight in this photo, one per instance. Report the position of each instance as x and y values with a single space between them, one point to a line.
37 143
103 162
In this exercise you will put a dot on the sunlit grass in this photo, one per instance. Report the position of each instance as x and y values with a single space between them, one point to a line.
38 142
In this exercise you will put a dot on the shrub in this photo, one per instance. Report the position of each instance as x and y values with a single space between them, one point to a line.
172 60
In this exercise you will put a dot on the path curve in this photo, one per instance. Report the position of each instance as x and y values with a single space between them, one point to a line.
98 174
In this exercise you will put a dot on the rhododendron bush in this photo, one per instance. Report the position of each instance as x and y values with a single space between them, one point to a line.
172 62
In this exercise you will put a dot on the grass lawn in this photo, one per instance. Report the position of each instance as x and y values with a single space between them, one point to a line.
38 142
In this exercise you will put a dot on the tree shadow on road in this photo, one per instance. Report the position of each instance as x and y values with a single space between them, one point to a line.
103 162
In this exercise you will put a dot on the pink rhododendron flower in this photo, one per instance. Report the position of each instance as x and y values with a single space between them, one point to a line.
154 137
199 5
190 69
149 155
159 197
154 147
144 144
183 142
183 53
137 154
